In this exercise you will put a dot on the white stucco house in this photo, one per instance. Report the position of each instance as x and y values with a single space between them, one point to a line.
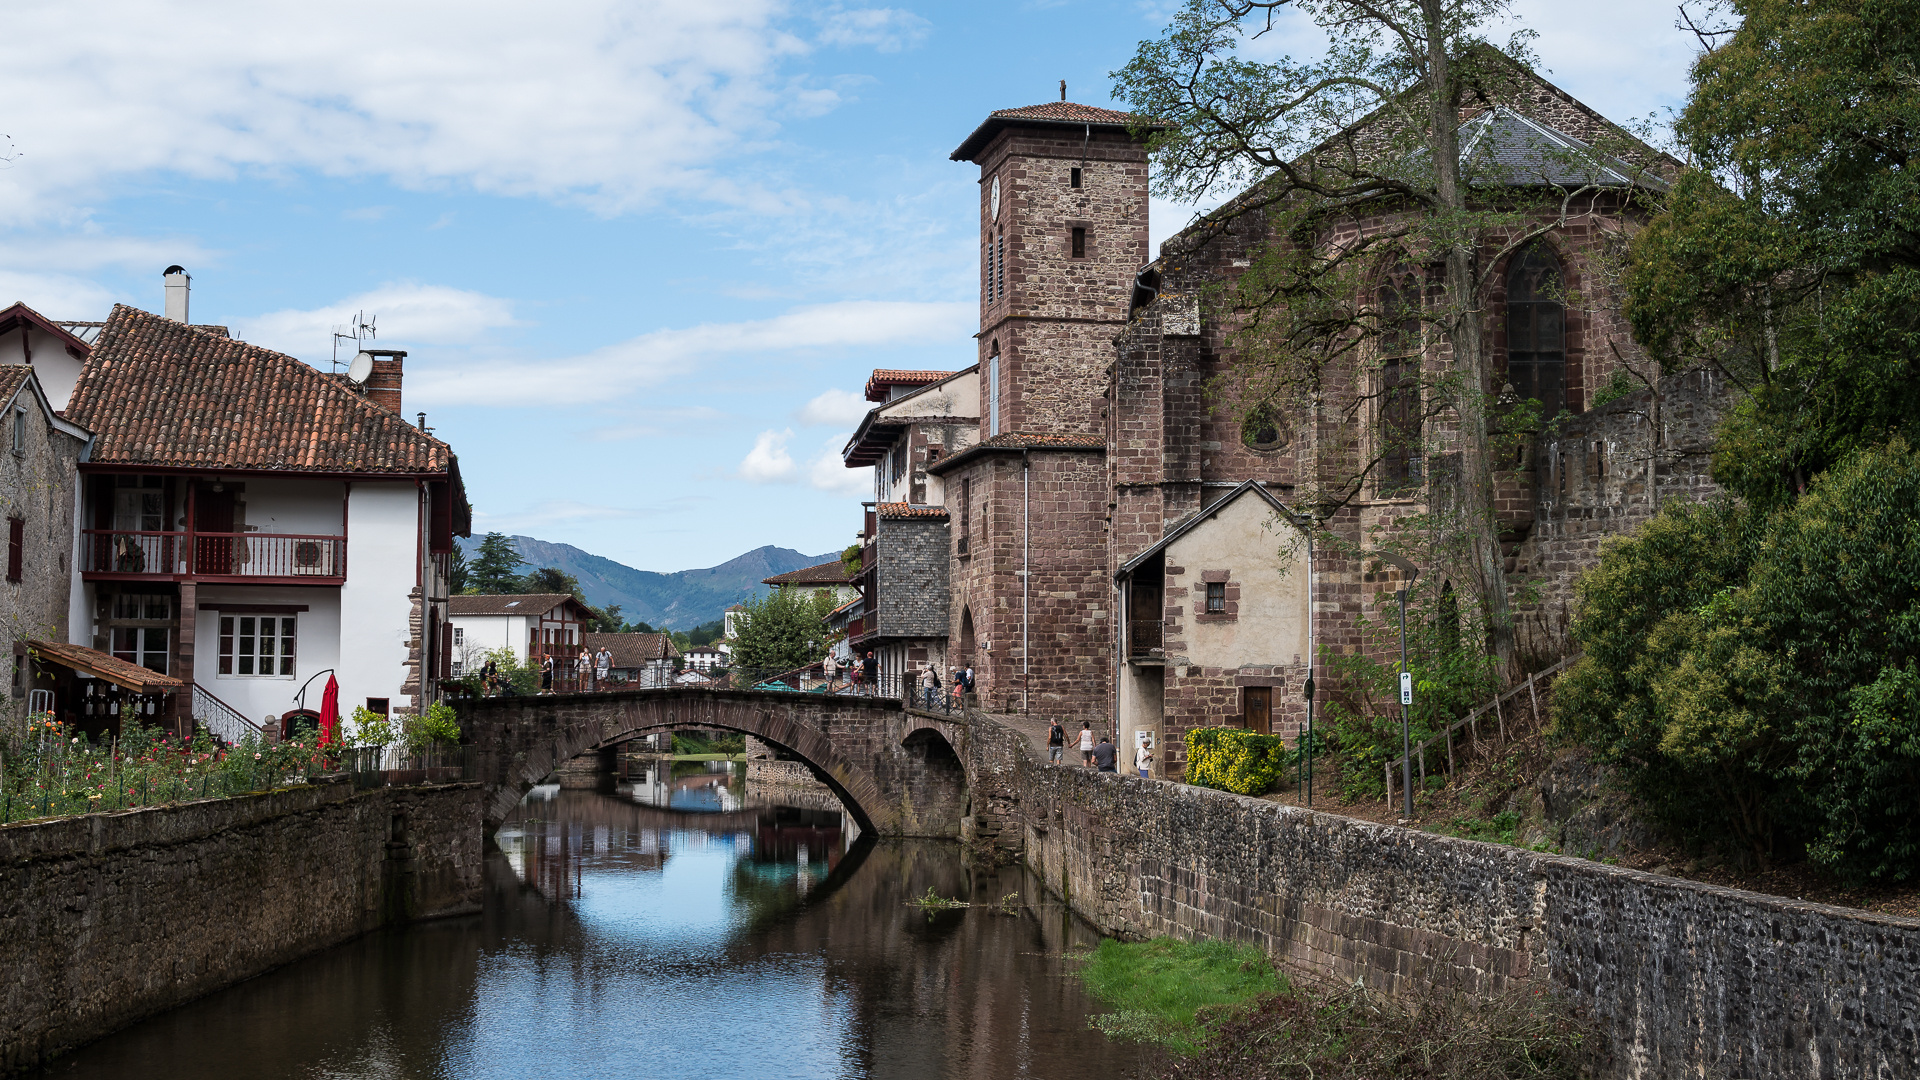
531 625
248 524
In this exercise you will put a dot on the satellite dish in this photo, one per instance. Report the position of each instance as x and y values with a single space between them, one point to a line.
360 368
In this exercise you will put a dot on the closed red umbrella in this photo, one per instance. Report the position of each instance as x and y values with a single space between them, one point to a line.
329 711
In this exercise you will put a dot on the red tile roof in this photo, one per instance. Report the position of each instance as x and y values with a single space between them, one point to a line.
107 666
163 393
1045 114
880 380
633 650
827 573
898 510
534 604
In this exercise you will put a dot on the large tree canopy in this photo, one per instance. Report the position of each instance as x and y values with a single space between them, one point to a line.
1790 256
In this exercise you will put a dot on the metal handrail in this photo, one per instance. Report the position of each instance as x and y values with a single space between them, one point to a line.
1531 684
227 723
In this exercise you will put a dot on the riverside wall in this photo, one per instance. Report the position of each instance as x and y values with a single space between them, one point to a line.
107 918
1683 979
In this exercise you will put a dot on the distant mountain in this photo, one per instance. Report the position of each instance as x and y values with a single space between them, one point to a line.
676 601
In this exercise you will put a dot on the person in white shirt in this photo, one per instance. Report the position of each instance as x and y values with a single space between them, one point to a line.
831 670
1086 743
1143 757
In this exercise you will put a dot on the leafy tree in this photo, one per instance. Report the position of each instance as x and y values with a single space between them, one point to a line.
492 570
1363 145
706 633
784 630
550 579
457 570
1790 257
1757 674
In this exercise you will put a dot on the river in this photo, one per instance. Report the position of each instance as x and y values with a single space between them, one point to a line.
676 926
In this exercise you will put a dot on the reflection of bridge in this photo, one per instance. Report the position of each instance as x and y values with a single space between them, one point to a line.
896 771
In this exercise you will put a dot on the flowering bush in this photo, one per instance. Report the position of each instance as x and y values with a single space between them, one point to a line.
1234 759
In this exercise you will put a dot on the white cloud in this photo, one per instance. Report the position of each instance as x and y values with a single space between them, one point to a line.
768 462
651 358
405 313
829 473
609 102
59 296
835 408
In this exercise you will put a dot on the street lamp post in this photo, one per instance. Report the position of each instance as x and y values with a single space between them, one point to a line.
1406 680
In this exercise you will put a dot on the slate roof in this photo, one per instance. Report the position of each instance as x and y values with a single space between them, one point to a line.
507 604
896 511
1021 440
107 666
827 573
881 379
1064 113
162 393
633 650
1502 147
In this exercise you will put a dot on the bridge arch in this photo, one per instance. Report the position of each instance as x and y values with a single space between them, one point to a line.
880 760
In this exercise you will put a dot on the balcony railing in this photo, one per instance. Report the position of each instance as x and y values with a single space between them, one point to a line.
122 552
1143 637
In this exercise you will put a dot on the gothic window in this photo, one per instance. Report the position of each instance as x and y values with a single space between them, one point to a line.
1537 330
1401 465
993 392
1261 430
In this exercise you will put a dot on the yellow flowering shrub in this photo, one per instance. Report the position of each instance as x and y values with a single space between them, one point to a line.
1234 759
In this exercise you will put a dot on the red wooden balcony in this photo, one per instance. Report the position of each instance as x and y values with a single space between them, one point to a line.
118 554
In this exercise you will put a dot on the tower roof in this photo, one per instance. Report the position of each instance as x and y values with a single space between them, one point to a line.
1045 114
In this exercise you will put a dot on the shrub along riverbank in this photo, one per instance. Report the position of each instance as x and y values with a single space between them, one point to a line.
1224 1013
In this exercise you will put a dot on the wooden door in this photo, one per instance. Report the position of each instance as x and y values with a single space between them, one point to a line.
1256 708
213 513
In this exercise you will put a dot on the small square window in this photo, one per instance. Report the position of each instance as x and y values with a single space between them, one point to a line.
1074 175
1216 597
1079 243
378 705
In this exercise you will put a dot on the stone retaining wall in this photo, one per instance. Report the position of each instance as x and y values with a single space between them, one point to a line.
107 918
1685 979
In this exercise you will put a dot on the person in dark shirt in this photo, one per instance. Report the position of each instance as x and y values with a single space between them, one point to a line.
1103 755
1056 742
871 669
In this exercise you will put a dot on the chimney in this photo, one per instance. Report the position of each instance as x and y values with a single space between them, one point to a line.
179 283
383 386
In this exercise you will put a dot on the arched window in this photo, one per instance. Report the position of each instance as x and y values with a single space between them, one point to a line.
1537 330
993 391
1399 414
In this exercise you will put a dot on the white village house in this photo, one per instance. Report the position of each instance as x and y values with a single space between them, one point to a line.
532 626
246 523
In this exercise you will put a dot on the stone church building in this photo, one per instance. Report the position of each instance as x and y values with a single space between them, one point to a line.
1123 550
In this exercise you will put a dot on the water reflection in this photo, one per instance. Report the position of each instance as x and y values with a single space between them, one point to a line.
625 935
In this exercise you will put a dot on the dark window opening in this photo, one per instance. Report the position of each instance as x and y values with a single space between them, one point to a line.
1401 463
1537 330
1216 597
377 705
966 513
16 547
1079 243
1074 175
1261 430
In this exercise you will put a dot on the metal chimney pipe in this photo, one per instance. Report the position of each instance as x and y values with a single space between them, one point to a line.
179 283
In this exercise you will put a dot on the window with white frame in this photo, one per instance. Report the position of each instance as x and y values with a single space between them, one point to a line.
142 645
257 646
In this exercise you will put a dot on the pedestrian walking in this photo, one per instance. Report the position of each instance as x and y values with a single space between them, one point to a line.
929 682
583 670
1056 741
489 678
871 669
546 674
602 665
1086 744
1103 755
1143 758
831 669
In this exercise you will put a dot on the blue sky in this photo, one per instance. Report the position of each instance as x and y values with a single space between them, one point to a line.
643 254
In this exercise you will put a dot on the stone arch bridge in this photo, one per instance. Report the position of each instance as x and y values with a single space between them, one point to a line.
897 771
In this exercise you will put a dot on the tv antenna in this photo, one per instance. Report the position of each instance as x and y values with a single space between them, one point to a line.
359 332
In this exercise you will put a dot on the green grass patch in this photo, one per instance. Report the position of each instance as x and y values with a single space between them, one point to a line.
709 757
1158 989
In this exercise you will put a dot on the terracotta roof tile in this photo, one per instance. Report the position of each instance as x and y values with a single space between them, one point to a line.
1046 113
634 650
898 510
163 393
506 603
827 573
880 380
107 666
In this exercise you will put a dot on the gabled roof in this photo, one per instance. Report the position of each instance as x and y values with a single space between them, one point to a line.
1049 113
1212 509
826 573
877 433
161 393
1013 442
22 315
16 379
634 650
1501 147
534 604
